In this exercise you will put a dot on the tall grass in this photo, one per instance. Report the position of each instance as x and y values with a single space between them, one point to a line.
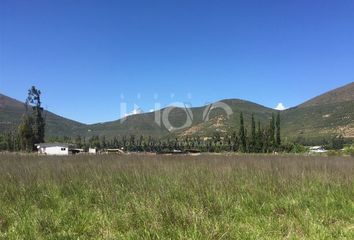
176 197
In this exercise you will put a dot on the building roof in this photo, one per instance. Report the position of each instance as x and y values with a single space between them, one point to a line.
40 145
316 147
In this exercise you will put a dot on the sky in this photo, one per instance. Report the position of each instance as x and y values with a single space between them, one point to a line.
90 57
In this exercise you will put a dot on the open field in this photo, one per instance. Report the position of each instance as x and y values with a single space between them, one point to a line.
176 197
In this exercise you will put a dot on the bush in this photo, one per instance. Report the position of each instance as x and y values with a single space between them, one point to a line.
349 150
3 146
294 148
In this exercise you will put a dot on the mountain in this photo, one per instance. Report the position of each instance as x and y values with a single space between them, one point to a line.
329 114
146 124
339 95
11 111
319 121
140 124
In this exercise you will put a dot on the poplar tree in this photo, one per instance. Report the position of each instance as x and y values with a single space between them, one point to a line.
242 135
272 132
278 139
38 125
234 141
25 132
31 128
259 141
253 135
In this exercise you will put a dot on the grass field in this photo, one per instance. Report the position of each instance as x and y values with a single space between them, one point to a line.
176 197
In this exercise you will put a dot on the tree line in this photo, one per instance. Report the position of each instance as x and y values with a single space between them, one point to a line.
255 138
258 139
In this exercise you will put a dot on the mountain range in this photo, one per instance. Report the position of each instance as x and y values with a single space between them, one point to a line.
329 114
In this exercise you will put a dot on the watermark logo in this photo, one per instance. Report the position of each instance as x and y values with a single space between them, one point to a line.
166 117
220 105
162 116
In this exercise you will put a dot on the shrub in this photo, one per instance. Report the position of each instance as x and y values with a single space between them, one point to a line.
294 148
349 150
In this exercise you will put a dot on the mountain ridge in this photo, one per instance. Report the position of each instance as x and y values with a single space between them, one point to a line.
341 94
327 114
12 110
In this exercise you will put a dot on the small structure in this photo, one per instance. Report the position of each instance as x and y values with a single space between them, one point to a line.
115 150
92 150
173 152
77 150
193 152
54 148
317 149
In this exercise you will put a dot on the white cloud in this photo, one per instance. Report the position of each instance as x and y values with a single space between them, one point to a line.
280 107
134 112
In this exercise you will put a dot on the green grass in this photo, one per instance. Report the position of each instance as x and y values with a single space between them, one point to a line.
176 197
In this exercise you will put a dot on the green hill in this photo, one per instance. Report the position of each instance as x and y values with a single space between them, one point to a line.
328 114
145 124
11 111
318 121
339 95
331 113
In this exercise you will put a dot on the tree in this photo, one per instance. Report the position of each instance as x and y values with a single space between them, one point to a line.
234 141
3 144
103 142
25 132
38 124
253 135
115 143
272 132
259 139
124 142
266 145
242 134
94 142
78 141
337 142
277 124
132 144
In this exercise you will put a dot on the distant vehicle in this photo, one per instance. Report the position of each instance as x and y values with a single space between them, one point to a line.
317 149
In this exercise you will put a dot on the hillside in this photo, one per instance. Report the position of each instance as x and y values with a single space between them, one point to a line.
140 124
220 122
145 124
331 113
11 111
315 122
342 94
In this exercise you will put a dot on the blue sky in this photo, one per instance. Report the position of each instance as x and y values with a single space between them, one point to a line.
86 56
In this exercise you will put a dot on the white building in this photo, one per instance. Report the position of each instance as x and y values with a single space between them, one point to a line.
92 150
317 149
54 148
